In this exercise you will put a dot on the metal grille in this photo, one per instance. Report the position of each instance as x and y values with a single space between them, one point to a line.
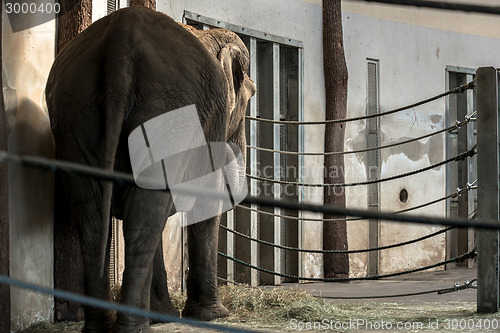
275 67
112 252
111 6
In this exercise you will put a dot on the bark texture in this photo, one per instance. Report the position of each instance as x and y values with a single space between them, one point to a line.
335 72
75 16
4 215
145 3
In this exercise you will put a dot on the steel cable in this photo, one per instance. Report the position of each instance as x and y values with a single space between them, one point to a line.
124 178
457 126
461 258
460 89
467 285
130 310
459 157
441 5
290 248
458 193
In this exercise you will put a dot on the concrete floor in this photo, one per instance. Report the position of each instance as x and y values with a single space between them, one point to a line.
411 283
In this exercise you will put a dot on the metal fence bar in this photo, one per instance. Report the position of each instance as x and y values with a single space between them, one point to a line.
254 222
76 169
277 158
472 167
488 191
230 244
301 189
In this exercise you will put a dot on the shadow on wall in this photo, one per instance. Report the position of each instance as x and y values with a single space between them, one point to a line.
31 204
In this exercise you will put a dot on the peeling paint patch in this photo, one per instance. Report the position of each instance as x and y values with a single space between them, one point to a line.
313 265
436 118
10 101
431 149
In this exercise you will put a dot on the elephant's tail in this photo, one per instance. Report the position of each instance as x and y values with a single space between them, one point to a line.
115 108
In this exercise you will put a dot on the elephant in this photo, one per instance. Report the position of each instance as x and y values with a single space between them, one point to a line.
129 67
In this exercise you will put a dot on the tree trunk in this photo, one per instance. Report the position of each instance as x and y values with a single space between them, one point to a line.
335 71
73 19
4 215
68 262
146 3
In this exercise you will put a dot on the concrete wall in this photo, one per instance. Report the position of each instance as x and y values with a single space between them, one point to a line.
27 57
412 62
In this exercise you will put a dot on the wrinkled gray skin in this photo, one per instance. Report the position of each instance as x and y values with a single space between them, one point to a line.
125 69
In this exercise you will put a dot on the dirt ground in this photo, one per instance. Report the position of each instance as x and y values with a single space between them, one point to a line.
291 308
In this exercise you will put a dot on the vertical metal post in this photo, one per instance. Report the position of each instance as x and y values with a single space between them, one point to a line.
230 244
472 168
373 164
277 158
488 188
450 118
462 169
184 251
301 230
254 223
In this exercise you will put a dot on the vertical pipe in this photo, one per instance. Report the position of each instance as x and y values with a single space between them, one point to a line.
277 158
230 245
373 163
448 146
488 188
472 168
301 193
463 168
254 223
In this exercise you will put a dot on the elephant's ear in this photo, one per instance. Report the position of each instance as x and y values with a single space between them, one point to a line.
232 59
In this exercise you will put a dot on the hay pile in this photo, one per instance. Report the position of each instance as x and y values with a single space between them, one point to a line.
273 306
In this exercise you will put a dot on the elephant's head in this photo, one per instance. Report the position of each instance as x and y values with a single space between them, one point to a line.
234 59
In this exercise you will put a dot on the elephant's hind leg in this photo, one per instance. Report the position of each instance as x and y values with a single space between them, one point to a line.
203 300
85 201
160 298
144 215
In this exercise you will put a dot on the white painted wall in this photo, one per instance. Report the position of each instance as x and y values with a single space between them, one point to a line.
27 58
412 62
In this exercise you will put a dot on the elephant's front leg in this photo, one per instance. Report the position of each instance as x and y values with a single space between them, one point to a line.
203 300
160 298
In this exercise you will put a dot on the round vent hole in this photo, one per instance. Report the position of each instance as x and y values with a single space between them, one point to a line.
403 196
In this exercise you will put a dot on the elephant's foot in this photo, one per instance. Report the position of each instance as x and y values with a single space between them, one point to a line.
204 312
164 306
131 324
100 326
135 328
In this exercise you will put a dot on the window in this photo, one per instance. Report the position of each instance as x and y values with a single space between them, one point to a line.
373 158
276 66
111 6
459 174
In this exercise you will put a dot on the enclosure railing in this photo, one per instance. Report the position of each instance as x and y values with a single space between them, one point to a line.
488 210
